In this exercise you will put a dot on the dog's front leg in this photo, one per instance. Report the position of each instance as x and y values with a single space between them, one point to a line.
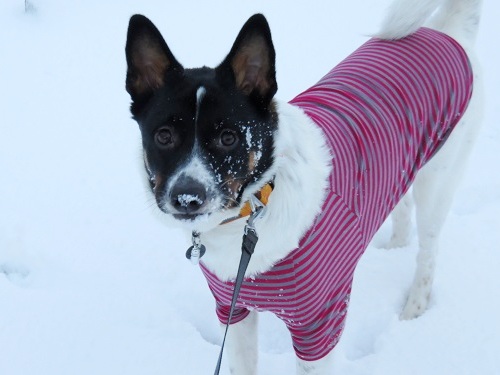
241 344
322 366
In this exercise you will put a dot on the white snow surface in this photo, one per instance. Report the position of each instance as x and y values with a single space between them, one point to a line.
93 282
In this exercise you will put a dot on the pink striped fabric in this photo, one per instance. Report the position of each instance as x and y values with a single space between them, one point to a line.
385 110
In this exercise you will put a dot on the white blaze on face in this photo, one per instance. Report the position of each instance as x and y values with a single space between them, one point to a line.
200 94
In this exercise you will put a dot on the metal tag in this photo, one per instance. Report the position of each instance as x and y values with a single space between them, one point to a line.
195 252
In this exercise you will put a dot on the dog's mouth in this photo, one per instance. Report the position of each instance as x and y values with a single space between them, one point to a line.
201 222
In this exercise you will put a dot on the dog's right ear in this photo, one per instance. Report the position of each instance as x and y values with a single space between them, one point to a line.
148 58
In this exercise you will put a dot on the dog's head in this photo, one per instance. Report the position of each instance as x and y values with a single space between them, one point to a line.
207 134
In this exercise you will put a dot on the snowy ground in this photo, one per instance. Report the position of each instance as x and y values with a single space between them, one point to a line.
91 282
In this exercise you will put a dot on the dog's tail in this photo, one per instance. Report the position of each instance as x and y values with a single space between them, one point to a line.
457 18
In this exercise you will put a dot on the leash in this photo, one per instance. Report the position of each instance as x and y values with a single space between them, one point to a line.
250 238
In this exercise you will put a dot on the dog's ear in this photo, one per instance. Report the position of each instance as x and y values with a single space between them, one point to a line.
250 65
148 58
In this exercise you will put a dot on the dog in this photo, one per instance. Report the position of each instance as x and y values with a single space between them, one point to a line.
402 110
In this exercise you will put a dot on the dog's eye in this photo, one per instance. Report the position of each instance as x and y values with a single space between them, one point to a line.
228 138
164 137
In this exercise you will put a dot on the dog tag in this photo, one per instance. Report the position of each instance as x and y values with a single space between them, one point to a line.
195 252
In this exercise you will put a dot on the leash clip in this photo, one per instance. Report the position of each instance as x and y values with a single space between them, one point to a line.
258 212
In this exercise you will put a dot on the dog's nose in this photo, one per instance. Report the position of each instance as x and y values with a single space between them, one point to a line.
188 196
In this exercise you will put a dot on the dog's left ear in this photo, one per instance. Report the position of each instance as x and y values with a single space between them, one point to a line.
250 65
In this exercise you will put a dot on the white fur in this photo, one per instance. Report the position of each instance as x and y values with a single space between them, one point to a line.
404 17
241 346
320 367
301 170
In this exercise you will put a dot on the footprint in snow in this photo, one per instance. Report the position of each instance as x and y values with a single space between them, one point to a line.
16 274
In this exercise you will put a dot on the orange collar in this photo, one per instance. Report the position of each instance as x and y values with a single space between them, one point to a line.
263 195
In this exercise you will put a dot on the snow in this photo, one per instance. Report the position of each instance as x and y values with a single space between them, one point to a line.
93 282
186 199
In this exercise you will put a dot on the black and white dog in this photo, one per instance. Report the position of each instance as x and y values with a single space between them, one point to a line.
213 138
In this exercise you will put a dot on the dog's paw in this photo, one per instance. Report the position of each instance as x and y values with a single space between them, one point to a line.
416 304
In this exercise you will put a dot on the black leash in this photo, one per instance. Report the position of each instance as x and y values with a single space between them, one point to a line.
250 239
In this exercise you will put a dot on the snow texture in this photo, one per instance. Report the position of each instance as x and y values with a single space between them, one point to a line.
92 282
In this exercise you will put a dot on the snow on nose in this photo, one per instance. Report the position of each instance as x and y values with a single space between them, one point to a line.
188 195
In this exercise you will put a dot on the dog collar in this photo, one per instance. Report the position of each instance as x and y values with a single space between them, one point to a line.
262 195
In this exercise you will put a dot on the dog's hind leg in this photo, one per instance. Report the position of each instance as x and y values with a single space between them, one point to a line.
401 223
436 183
433 192
431 213
241 344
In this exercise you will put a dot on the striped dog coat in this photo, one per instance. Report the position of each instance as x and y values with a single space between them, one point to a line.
384 110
